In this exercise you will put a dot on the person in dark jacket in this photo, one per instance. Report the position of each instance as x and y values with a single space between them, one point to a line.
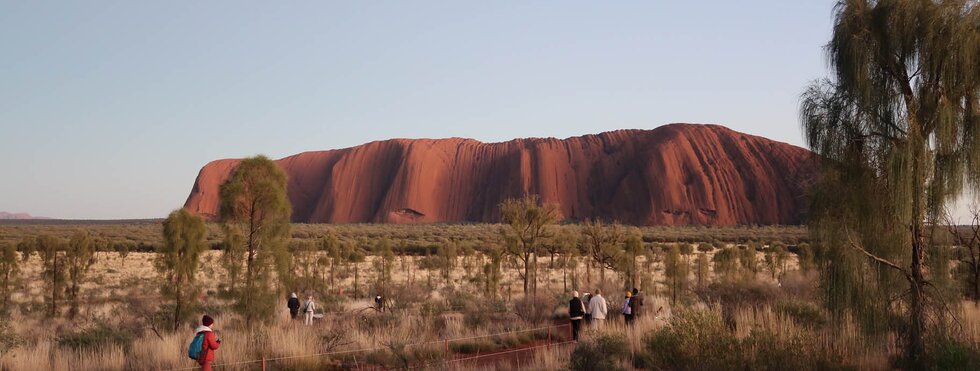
576 310
636 302
585 301
293 305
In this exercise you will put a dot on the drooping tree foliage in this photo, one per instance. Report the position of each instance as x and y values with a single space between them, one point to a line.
184 240
255 219
895 128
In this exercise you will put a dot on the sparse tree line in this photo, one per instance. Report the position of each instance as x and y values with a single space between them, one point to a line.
262 263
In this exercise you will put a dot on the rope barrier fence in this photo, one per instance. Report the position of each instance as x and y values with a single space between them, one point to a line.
444 342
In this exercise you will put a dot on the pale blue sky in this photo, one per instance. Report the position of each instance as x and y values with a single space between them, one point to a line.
109 109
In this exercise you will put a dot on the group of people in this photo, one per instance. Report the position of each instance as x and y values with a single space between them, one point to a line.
308 308
593 308
206 342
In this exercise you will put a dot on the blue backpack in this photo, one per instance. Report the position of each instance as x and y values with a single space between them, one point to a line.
194 350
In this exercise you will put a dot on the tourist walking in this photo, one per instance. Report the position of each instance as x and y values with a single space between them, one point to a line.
597 306
309 308
628 309
210 343
293 305
576 310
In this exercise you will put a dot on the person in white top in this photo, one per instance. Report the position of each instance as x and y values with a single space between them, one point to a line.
597 307
309 308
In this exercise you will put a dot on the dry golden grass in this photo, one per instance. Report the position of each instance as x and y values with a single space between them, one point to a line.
371 337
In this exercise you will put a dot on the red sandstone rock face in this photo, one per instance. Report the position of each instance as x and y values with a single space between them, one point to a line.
672 175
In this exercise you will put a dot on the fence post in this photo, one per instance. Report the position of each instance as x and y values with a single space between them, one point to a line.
446 341
263 362
571 331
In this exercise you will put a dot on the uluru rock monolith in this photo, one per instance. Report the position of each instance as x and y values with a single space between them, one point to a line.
677 174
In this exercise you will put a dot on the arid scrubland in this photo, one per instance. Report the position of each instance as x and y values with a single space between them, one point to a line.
730 299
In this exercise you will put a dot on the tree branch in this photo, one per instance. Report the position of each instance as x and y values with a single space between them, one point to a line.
874 257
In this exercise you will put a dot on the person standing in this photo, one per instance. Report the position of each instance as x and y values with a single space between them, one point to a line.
309 308
628 309
210 344
585 300
597 306
637 303
576 310
293 305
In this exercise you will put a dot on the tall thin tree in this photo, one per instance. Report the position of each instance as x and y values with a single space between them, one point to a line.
184 240
79 258
527 222
255 218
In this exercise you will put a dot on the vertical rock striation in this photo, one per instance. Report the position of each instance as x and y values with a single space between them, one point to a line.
676 174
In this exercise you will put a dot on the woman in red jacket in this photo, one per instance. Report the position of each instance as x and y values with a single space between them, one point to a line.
211 343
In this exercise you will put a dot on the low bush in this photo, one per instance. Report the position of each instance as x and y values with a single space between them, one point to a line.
606 352
99 335
694 340
944 353
534 309
471 347
803 313
700 340
8 339
374 321
738 294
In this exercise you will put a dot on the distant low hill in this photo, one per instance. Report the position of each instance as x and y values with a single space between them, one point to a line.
677 174
19 216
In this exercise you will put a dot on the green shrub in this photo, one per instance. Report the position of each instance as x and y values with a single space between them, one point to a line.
8 339
803 313
694 340
766 351
603 353
946 353
471 347
534 309
432 308
375 321
700 340
99 335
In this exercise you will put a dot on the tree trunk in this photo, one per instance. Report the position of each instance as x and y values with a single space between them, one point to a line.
588 271
534 273
917 306
564 276
527 271
177 309
976 285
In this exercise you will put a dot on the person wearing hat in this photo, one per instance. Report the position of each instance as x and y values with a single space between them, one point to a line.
628 309
576 310
210 345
